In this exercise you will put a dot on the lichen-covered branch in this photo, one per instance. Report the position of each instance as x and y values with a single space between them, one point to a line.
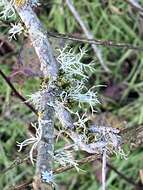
39 40
49 68
133 137
57 95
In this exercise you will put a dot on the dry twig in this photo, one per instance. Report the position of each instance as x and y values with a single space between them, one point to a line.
106 43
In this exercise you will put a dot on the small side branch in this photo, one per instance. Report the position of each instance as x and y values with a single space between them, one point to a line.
130 136
98 42
127 179
135 4
81 162
85 160
16 92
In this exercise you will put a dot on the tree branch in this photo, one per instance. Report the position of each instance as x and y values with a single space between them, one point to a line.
135 4
127 179
83 161
98 42
131 136
16 92
43 49
23 186
49 68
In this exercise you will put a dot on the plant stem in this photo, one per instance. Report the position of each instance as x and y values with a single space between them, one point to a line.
104 170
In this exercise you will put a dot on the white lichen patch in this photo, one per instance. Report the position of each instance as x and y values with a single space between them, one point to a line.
34 140
7 9
75 72
16 29
65 158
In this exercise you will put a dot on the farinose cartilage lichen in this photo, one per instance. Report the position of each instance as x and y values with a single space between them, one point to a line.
7 10
95 139
64 95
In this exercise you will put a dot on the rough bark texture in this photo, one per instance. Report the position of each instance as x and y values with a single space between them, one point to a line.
133 137
49 68
39 40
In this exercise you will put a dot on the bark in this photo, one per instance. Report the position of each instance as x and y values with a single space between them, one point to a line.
39 40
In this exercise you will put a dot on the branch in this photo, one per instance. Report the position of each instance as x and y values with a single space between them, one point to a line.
88 34
127 179
135 5
49 68
133 137
95 157
42 47
16 92
99 42
18 161
61 170
23 186
83 161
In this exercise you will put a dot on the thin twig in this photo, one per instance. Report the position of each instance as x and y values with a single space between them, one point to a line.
127 179
108 43
135 4
98 42
88 33
62 169
23 186
104 170
83 161
18 161
16 92
92 158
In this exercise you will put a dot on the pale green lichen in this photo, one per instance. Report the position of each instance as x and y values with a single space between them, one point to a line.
7 10
16 29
